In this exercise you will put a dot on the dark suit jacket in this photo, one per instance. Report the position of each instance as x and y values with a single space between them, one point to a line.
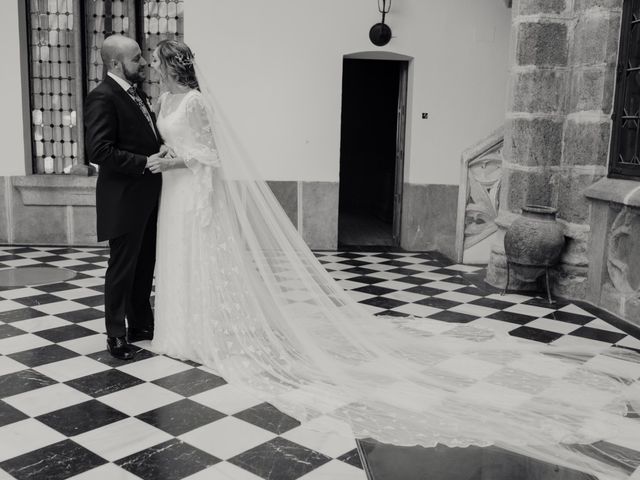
119 139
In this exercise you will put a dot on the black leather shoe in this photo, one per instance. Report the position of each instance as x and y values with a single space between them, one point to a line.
134 335
120 349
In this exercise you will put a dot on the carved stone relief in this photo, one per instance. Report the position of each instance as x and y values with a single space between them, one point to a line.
623 255
484 178
478 199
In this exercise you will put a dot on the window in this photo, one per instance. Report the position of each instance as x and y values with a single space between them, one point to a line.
65 37
625 141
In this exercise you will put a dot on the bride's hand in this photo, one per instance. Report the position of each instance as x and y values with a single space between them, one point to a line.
166 160
167 151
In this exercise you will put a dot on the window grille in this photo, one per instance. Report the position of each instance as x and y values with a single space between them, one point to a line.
102 18
163 19
625 141
64 39
53 84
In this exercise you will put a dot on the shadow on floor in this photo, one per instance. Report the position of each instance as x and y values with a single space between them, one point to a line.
389 462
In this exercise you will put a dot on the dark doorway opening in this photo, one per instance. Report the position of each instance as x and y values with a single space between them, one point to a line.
371 152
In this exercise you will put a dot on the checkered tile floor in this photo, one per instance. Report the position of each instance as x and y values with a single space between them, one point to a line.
69 410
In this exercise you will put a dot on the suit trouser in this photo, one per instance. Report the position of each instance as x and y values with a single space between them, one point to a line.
129 279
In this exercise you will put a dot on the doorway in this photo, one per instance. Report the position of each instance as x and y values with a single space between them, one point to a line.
374 94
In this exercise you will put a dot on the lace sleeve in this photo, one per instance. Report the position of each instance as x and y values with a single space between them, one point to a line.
203 151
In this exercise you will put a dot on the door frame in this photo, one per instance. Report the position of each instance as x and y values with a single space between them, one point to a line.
405 62
401 128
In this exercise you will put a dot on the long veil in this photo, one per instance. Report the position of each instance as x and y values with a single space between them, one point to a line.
310 349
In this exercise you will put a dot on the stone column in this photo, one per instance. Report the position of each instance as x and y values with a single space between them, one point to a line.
558 122
587 129
535 116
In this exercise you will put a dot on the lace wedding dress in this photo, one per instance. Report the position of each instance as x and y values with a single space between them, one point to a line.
238 290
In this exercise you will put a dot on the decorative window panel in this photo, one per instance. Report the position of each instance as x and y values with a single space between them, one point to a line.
625 141
103 18
65 63
53 75
163 19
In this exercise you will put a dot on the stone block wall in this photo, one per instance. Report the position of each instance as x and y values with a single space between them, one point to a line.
60 210
48 210
587 130
558 123
429 216
614 249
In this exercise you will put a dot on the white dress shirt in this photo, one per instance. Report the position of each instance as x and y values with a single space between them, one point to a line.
120 81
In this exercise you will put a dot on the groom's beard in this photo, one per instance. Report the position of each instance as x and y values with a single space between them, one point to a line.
135 76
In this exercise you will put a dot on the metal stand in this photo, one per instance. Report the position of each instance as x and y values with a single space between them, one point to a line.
507 284
546 281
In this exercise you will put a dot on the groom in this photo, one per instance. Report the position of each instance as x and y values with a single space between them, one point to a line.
121 137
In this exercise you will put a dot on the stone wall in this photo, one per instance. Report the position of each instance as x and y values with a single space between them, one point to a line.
48 210
558 122
614 266
60 210
587 128
429 218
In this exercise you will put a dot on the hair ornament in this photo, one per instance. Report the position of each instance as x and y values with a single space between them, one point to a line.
184 60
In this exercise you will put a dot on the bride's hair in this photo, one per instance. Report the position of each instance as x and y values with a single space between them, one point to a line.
177 59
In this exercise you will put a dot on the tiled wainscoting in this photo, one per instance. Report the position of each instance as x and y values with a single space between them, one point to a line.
60 210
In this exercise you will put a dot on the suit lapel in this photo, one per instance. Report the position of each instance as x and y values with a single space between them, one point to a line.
145 100
133 105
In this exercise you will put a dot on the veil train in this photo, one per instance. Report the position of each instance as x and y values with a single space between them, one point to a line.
305 345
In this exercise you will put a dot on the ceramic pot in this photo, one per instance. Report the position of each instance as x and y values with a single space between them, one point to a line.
534 241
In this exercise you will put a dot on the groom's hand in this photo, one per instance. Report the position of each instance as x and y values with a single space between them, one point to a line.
163 151
154 159
162 161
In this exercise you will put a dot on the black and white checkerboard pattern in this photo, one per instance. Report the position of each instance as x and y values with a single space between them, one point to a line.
69 410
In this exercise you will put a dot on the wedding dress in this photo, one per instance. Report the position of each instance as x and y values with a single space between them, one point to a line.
238 290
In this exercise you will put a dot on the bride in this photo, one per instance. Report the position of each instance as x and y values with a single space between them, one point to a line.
238 290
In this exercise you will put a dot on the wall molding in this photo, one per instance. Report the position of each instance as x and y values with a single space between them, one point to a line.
615 190
8 203
56 190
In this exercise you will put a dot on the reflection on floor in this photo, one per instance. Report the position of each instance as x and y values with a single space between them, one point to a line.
363 229
69 410
387 462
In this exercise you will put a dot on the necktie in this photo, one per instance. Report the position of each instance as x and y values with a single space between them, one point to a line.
132 92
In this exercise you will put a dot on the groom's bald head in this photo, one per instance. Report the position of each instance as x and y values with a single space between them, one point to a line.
122 56
115 47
